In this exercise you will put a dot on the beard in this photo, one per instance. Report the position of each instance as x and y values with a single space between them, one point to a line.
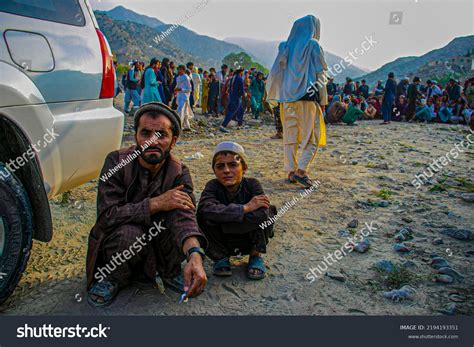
154 159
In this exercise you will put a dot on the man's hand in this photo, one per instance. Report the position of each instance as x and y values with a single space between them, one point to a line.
195 278
256 202
323 107
170 200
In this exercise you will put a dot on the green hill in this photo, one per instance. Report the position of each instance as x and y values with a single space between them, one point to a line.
406 66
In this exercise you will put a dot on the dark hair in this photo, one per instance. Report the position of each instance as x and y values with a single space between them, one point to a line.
416 79
391 75
189 64
153 114
182 67
244 164
224 66
363 81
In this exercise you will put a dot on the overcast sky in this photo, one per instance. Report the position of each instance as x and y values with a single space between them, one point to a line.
424 24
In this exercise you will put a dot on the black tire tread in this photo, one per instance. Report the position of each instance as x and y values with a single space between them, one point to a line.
19 211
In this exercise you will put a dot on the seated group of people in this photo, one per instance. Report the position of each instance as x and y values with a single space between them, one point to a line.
412 102
435 109
351 108
155 191
438 109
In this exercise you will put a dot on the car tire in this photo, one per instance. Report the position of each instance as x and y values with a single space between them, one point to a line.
16 231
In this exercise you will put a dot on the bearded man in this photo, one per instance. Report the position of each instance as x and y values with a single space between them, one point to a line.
146 224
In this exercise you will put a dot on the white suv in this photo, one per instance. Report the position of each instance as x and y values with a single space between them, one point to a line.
57 120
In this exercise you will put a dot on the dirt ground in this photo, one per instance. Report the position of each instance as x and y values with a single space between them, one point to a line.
365 173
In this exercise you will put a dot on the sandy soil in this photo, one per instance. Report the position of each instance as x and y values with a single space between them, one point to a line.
360 166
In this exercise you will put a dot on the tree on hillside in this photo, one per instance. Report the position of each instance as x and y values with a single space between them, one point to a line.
234 60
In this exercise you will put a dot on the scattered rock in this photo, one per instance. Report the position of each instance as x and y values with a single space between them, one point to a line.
451 272
383 203
438 263
407 219
449 310
438 242
404 293
385 266
362 246
383 166
356 310
353 223
469 253
451 215
444 279
456 297
408 264
459 234
336 276
404 234
468 197
197 155
401 248
344 233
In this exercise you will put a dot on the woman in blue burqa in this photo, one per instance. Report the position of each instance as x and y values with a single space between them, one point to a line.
298 81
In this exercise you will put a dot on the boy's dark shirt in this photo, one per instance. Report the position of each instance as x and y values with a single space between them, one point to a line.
219 206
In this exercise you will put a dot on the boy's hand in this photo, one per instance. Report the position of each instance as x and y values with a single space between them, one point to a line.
256 202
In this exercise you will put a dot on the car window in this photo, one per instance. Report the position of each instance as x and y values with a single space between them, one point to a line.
61 11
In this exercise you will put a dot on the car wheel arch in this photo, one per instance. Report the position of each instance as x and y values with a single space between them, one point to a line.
14 143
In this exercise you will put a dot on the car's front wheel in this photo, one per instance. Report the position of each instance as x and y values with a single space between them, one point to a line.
16 231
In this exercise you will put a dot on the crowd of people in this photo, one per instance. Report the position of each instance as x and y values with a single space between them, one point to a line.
227 92
402 101
232 93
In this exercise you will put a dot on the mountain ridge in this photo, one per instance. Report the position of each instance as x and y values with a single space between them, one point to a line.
405 66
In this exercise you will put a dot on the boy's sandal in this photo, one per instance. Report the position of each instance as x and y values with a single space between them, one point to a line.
105 290
222 267
256 263
176 284
304 180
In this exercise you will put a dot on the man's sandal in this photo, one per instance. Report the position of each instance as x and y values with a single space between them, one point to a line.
256 263
222 268
105 292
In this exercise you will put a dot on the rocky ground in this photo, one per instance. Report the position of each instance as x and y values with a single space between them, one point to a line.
365 173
